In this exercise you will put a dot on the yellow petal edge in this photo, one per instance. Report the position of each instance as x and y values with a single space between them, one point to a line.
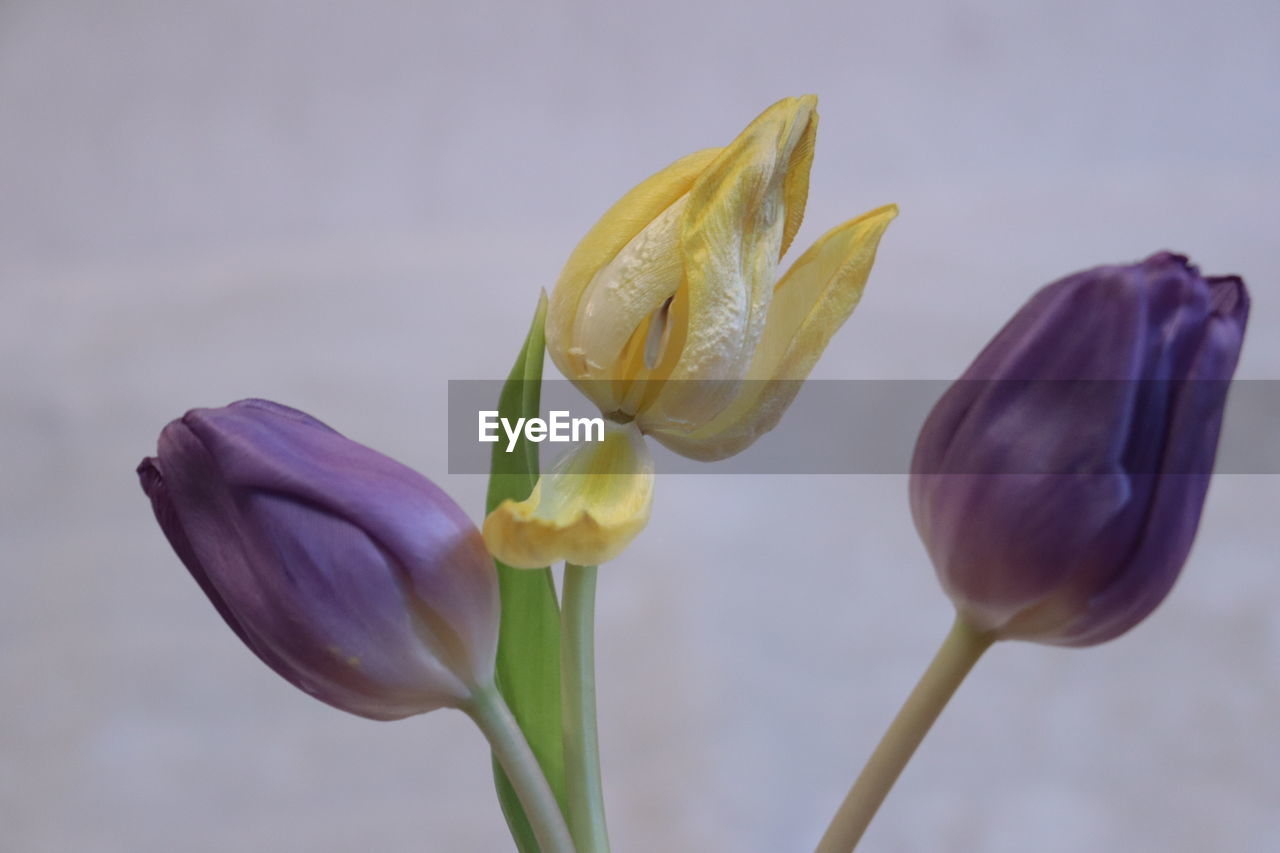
586 510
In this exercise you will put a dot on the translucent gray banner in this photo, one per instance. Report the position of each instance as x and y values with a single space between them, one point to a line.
871 426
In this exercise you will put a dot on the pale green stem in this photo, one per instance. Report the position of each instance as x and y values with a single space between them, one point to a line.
959 652
583 787
490 711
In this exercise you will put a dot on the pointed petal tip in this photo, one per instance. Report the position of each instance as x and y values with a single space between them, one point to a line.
887 212
792 107
1229 296
1227 293
147 472
806 103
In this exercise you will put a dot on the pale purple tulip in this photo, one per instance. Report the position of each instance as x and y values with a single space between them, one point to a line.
349 574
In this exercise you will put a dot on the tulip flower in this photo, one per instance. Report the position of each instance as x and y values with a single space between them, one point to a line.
349 574
671 318
1058 485
1062 511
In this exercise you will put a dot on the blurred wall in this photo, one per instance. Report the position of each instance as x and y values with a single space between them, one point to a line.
344 205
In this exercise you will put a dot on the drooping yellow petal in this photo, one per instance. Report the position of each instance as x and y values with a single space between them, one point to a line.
810 303
607 238
740 213
586 510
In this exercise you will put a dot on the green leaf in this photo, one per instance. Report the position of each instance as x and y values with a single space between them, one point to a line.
528 668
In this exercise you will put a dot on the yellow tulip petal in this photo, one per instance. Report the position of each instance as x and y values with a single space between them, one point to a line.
626 292
586 510
607 238
817 295
811 302
741 212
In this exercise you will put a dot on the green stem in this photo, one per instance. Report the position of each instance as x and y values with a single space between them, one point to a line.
490 711
959 652
583 787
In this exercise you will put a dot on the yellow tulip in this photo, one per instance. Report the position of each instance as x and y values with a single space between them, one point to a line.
669 315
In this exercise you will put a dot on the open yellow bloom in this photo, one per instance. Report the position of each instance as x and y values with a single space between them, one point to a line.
669 315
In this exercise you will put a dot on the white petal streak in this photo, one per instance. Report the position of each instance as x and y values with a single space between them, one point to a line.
628 289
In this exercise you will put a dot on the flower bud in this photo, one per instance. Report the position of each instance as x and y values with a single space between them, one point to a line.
349 574
1058 485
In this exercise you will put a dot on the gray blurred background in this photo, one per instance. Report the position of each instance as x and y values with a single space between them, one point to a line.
343 205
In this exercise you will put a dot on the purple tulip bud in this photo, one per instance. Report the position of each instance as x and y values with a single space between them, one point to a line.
1059 483
349 574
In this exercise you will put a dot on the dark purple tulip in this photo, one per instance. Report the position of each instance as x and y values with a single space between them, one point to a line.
349 574
1059 483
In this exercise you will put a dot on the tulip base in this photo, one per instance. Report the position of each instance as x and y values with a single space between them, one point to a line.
959 652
